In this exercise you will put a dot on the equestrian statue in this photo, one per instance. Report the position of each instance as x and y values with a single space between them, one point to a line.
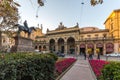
25 28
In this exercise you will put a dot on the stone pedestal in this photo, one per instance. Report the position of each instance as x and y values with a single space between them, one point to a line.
22 45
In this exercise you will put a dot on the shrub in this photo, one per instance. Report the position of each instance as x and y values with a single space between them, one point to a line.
111 71
28 66
54 56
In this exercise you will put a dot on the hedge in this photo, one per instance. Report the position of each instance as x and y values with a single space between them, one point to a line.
111 71
30 66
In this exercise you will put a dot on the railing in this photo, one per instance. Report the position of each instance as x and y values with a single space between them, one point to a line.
99 38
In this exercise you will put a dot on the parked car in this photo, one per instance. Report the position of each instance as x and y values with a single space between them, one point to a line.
113 54
36 50
60 54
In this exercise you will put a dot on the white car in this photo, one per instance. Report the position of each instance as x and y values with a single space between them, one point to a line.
113 54
36 50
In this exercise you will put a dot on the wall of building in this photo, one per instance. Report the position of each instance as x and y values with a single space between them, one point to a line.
113 24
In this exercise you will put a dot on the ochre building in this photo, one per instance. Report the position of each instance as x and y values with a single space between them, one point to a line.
113 24
77 40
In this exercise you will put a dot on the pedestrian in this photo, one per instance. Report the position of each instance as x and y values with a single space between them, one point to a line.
90 55
84 55
98 55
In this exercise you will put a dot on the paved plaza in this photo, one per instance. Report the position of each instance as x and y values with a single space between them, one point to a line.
81 70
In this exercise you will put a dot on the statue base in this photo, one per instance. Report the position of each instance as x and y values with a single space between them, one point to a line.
22 45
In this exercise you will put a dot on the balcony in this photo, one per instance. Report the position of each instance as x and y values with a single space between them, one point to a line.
97 39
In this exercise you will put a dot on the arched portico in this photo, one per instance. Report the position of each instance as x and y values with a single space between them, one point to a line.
71 45
100 47
52 45
36 47
82 48
44 48
61 45
40 48
90 48
109 48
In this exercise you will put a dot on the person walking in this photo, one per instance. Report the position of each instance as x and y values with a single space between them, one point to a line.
98 55
90 55
84 55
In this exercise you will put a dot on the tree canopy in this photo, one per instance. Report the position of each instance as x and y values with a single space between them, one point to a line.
93 2
8 14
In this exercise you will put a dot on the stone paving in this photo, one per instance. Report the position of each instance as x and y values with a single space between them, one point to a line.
80 71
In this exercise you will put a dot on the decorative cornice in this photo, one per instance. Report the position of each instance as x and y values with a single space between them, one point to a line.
63 31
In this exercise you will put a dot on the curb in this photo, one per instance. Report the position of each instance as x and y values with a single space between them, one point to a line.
62 74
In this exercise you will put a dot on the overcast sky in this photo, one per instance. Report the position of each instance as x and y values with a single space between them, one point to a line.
67 11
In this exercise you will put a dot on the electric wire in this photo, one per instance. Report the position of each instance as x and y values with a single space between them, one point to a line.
81 14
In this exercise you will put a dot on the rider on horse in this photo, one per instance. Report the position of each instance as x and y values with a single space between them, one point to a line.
26 25
25 28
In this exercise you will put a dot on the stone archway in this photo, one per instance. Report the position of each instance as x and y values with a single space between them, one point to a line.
90 47
61 45
40 48
82 48
52 45
44 48
109 48
71 45
36 47
99 48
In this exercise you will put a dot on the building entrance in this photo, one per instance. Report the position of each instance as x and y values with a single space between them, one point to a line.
100 48
62 49
82 51
71 45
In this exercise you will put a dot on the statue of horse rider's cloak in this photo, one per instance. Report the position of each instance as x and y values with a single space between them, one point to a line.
26 26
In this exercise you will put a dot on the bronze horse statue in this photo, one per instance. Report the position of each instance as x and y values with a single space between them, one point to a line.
25 28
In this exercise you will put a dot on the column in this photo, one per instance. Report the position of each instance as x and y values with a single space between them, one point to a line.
56 46
95 49
116 47
47 47
86 48
65 44
104 49
77 49
37 47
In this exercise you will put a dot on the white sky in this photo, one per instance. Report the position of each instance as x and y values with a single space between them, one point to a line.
67 11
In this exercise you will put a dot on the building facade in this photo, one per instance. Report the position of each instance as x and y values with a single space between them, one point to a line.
113 24
75 40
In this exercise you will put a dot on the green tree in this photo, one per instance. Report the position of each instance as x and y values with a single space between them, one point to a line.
41 2
93 2
8 14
